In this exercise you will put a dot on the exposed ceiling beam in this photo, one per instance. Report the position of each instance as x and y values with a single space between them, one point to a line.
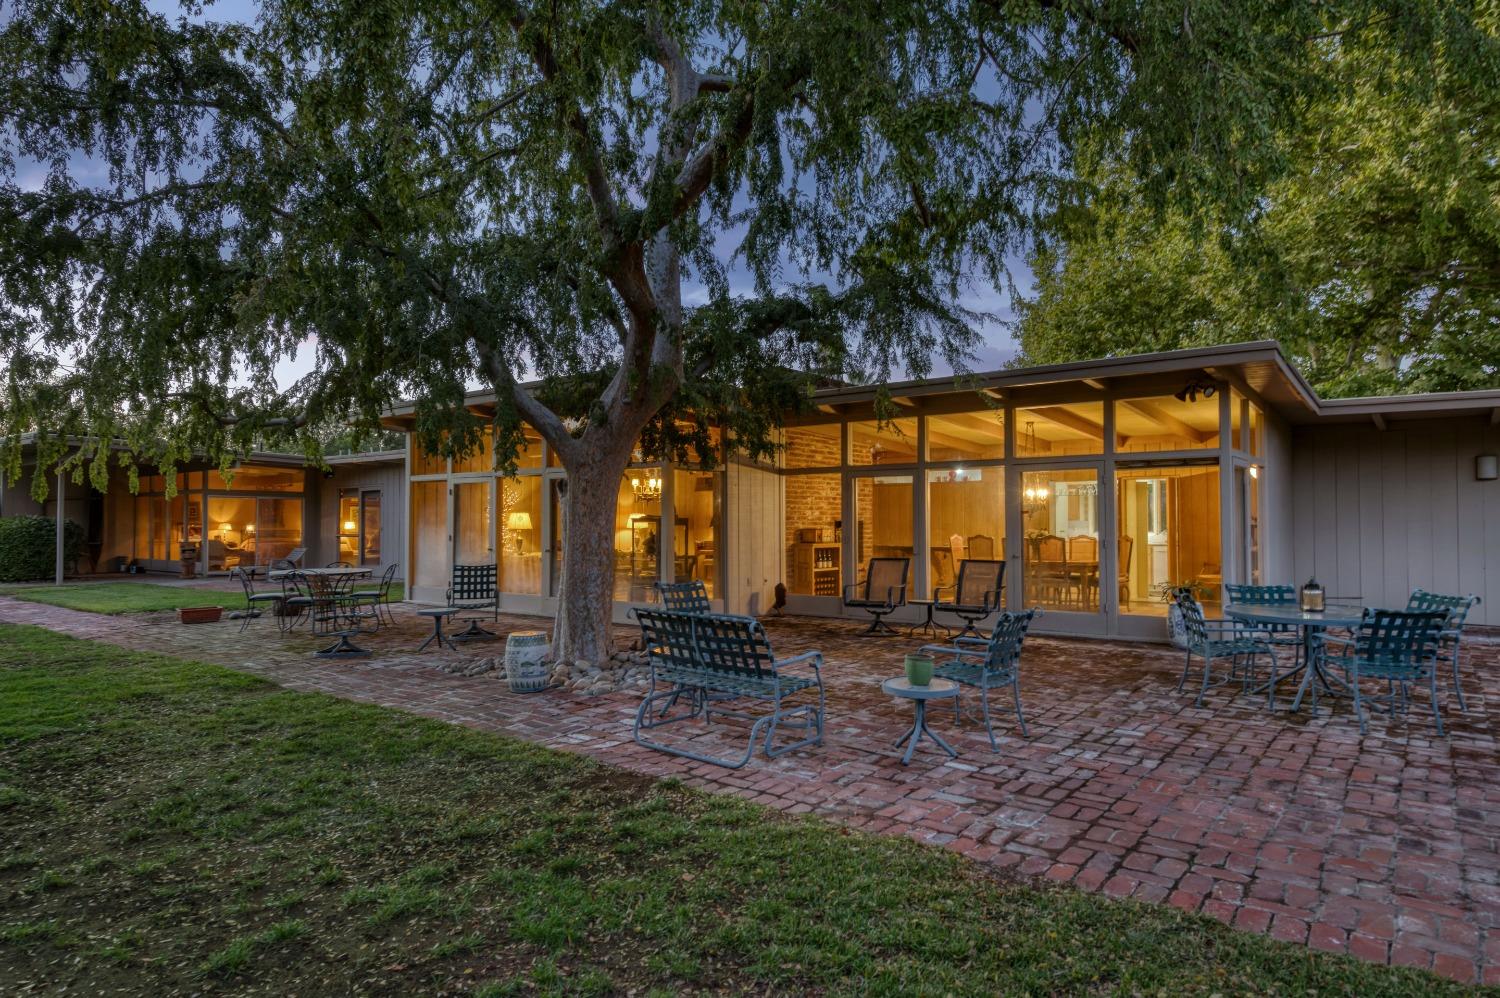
995 393
1379 421
1097 384
1166 419
831 410
484 410
904 401
1071 419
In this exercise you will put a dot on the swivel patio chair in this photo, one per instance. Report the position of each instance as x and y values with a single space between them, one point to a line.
1222 639
882 592
296 600
975 596
1395 647
254 601
1449 641
988 664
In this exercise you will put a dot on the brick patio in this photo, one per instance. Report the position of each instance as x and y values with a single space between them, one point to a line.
1384 847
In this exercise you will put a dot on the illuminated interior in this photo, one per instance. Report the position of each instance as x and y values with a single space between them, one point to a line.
1168 536
966 519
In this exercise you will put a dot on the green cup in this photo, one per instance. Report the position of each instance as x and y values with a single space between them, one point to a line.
919 669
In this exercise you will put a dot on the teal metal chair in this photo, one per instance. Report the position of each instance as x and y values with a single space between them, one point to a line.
1279 635
987 664
1394 647
1451 638
1213 640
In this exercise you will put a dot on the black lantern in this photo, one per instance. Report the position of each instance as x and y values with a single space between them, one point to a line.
1312 597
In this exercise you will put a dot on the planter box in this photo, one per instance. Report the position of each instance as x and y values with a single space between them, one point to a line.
199 614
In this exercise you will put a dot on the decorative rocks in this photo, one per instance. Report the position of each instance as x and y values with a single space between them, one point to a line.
469 666
525 661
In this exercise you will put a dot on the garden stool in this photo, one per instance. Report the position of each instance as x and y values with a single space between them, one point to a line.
525 661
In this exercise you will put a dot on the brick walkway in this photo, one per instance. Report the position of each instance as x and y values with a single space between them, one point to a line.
1384 847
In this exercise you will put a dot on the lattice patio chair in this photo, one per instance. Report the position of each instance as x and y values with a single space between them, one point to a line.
1211 640
974 596
988 664
1451 639
473 588
882 592
1280 635
1395 647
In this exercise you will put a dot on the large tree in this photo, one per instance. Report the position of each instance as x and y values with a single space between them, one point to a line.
435 193
1374 257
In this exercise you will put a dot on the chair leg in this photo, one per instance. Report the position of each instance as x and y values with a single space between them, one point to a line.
984 701
1437 714
1186 665
1359 710
1208 662
1271 684
1015 691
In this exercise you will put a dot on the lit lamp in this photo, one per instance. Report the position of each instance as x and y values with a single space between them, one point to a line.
1035 497
349 526
224 529
516 523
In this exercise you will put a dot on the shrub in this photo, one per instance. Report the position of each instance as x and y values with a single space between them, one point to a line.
27 547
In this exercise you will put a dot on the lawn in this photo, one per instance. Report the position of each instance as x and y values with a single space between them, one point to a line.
139 597
170 826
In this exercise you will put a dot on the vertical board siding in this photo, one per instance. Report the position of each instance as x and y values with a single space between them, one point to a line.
1379 513
323 511
752 564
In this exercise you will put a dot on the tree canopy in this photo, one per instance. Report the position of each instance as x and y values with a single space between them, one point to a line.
1374 258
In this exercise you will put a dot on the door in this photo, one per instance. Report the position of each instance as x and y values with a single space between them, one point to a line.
1061 549
473 522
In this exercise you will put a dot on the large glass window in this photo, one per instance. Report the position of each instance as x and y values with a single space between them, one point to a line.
255 478
158 527
1060 510
1060 430
639 533
1257 427
883 521
429 534
278 529
696 498
142 548
966 519
814 534
1168 536
369 519
521 534
1166 423
348 524
894 442
473 525
966 436
814 446
234 535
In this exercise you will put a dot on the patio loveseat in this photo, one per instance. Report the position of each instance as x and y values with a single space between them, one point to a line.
716 658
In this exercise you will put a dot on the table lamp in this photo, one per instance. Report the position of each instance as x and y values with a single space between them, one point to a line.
516 523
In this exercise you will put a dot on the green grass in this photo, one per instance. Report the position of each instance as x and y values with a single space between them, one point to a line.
138 597
173 827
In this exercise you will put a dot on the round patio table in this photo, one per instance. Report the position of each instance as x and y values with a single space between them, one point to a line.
1311 624
938 689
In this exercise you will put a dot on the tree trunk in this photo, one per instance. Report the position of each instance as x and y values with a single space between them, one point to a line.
586 597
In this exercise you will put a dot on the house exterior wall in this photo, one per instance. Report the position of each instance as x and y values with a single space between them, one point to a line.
322 528
1378 513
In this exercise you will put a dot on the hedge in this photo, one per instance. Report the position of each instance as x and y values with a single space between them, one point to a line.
28 547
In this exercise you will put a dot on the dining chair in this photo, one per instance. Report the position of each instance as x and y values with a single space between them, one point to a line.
1396 648
1217 639
1449 641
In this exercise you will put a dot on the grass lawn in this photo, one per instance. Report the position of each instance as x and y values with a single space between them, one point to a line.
139 597
169 826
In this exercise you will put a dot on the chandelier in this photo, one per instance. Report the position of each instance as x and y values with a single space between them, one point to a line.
646 489
1033 497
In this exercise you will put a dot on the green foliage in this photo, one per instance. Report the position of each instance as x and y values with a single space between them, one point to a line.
28 547
1374 258
467 857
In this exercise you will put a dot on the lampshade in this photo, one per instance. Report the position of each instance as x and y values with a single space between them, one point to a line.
249 528
224 528
519 521
349 526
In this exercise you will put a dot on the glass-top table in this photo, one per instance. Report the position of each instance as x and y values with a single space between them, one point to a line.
1311 624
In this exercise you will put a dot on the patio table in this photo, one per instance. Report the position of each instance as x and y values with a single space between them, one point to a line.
938 689
1311 624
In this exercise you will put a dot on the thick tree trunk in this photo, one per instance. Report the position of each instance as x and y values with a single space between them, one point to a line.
586 597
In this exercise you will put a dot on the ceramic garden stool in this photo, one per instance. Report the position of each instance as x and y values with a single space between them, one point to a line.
525 661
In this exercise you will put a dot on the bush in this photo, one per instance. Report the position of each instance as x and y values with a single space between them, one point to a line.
28 547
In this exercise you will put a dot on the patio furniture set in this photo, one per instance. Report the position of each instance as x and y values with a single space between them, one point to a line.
324 598
975 595
1338 647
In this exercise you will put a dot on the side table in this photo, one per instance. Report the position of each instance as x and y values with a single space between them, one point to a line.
938 689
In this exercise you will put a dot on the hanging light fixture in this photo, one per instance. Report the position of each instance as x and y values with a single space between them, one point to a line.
1034 497
646 489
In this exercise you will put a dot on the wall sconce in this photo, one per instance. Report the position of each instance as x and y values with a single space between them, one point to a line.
1486 468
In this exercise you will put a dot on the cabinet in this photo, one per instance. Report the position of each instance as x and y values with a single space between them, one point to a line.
817 569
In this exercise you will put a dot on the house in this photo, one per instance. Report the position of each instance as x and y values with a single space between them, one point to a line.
1100 484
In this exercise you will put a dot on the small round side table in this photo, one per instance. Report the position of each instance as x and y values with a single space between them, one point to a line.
938 689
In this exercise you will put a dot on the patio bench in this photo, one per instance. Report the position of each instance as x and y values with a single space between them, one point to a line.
713 657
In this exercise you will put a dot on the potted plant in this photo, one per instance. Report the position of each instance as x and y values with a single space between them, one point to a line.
919 669
1176 630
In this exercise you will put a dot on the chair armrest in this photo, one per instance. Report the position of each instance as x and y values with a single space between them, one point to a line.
896 595
850 589
813 658
937 592
975 642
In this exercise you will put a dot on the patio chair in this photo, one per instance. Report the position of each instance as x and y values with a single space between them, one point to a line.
1395 647
1449 641
291 562
473 588
882 592
988 664
254 601
1280 635
296 600
377 600
1222 639
975 596
687 597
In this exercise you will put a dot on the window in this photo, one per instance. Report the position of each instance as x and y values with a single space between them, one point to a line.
369 526
1060 430
696 500
1168 536
254 478
1166 423
1257 427
814 446
1060 510
638 534
814 534
883 521
233 535
966 436
966 519
894 442
521 534
429 534
348 524
473 524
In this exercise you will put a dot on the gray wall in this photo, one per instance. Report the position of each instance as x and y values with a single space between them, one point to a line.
321 531
1378 513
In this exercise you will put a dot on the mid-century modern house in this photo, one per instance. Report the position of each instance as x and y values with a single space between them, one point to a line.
1100 484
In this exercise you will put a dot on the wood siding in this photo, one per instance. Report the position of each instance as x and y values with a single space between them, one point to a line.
322 528
755 554
1379 513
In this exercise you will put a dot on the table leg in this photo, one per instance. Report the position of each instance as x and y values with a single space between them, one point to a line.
437 635
918 729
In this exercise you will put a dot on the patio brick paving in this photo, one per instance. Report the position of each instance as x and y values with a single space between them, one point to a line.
1386 847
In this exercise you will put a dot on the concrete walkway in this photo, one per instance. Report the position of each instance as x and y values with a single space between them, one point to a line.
1386 847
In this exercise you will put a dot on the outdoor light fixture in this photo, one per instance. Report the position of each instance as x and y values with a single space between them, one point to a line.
1190 391
516 523
1486 468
